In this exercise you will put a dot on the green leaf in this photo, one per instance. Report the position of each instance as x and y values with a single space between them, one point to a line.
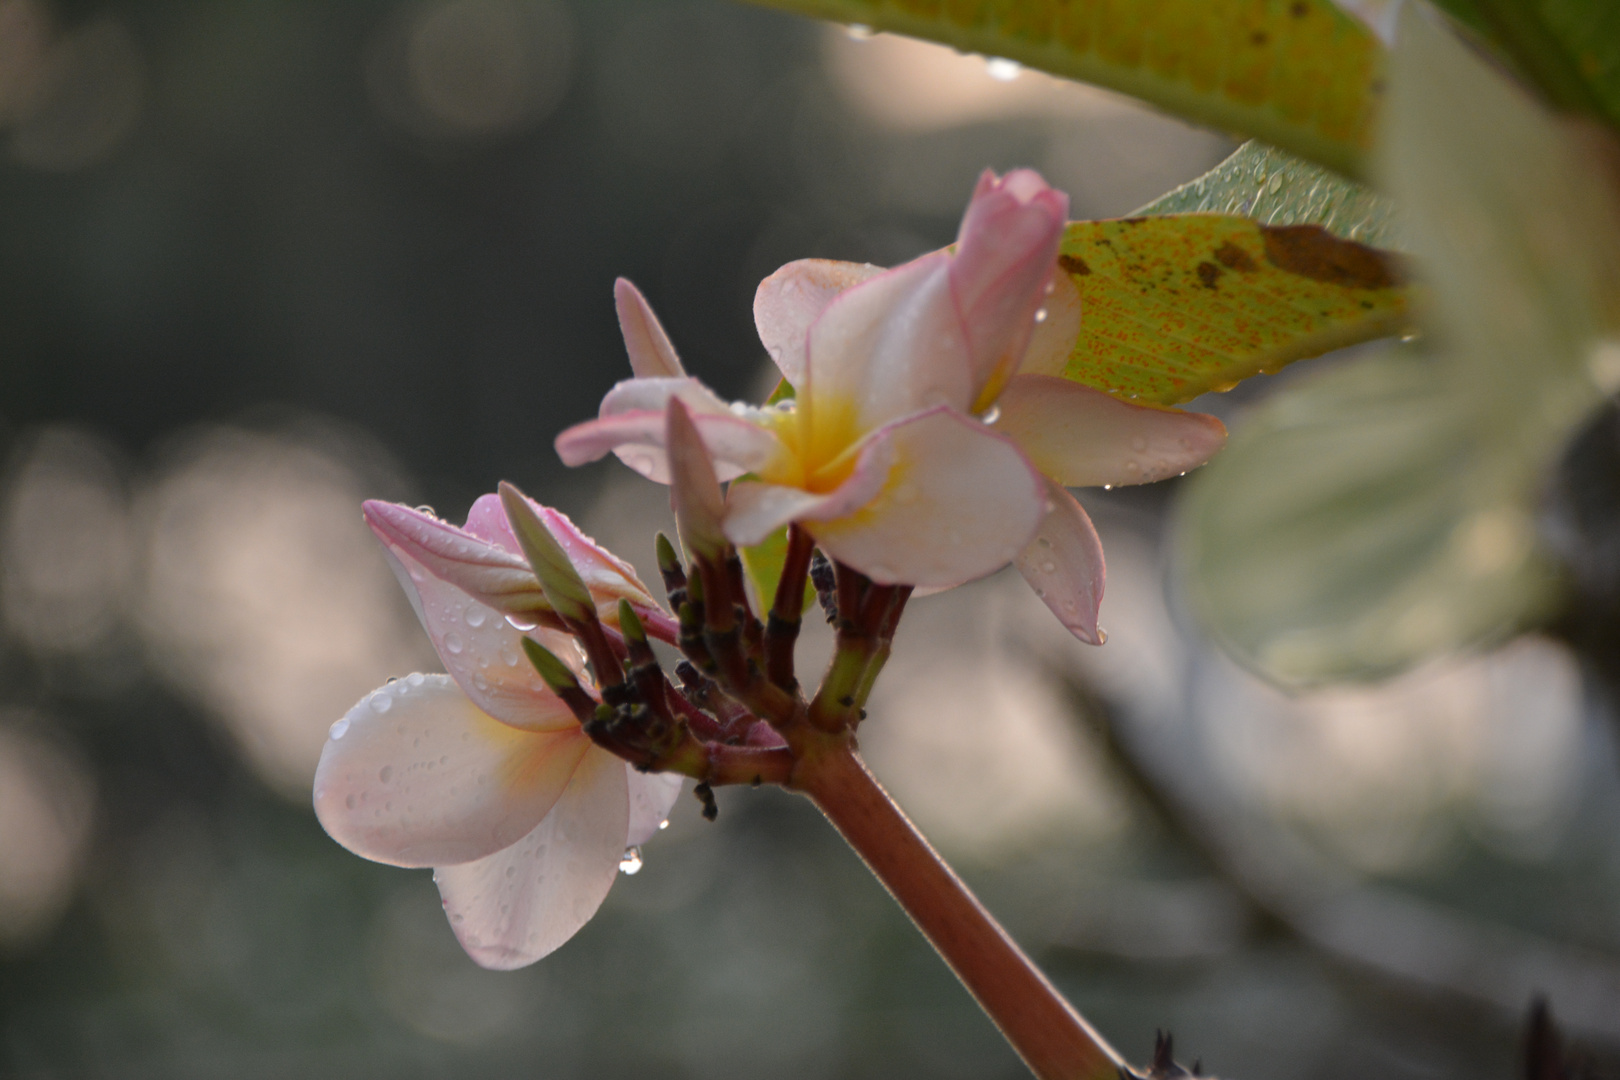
763 564
1275 188
1181 305
564 589
1570 49
1379 513
1360 522
1299 74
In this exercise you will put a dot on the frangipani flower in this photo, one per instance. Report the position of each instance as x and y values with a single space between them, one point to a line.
931 437
484 773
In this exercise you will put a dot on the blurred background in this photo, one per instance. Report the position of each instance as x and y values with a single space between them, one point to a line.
260 260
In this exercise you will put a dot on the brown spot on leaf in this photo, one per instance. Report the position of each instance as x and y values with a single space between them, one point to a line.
1312 252
1233 257
1259 37
1208 272
1074 264
1298 9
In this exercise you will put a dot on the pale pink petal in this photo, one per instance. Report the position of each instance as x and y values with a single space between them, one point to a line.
738 445
1082 437
517 905
638 395
887 348
651 352
486 519
959 502
651 797
1006 252
485 571
788 301
1056 330
481 650
1064 565
417 775
755 510
694 489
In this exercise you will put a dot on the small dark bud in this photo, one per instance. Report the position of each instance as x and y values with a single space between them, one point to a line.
826 584
705 795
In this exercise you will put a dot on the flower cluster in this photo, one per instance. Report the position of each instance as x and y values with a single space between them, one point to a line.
930 437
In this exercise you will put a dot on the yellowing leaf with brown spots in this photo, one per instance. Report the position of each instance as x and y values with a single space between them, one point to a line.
1176 306
1298 74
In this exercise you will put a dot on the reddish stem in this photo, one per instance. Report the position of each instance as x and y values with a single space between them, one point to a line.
1052 1038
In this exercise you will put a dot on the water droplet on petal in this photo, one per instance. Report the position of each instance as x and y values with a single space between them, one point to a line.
349 802
386 774
381 702
991 415
452 643
521 624
426 509
858 32
339 729
416 678
1040 315
631 863
475 616
1003 70
663 824
509 656
1139 443
480 682
1048 567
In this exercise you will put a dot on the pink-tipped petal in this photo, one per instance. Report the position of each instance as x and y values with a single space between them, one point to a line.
1064 565
486 519
788 301
417 775
651 797
1082 437
889 347
652 355
1006 252
694 489
1057 329
959 502
515 906
480 649
484 570
755 510
738 445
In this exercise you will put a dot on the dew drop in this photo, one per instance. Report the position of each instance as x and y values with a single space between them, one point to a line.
1040 315
787 405
509 656
1003 70
480 682
511 872
662 825
991 415
631 863
428 510
349 802
1049 567
1139 443
1044 542
381 702
339 729
858 32
386 774
475 617
452 643
1108 487
416 678
521 624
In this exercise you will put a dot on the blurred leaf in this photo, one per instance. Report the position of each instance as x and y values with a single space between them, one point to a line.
1379 513
1180 305
1359 522
763 564
1300 74
1569 48
1274 188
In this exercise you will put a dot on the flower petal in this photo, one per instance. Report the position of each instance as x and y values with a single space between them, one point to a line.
694 489
755 510
959 501
651 353
1055 335
887 348
788 301
651 796
1064 565
631 425
480 649
483 570
417 775
517 905
1006 252
1080 436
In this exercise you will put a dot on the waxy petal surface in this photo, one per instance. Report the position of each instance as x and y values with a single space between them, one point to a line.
694 489
481 651
790 300
960 501
754 510
1064 565
887 348
652 354
637 437
651 797
1055 333
1082 437
1005 254
517 905
417 775
489 573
